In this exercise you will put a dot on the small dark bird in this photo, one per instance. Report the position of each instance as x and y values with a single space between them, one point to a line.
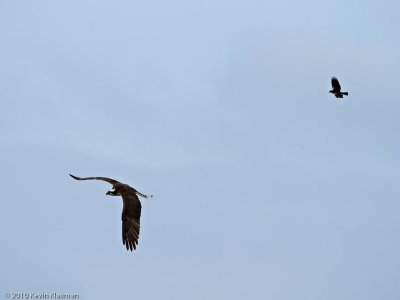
131 209
336 88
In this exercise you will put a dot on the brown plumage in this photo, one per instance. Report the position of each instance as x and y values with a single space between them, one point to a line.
131 209
336 88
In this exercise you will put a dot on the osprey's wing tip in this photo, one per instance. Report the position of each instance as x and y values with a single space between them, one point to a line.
77 178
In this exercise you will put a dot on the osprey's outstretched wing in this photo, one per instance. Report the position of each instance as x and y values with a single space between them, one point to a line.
130 218
335 84
109 180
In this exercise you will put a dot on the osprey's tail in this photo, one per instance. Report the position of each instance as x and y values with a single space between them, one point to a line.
143 195
345 93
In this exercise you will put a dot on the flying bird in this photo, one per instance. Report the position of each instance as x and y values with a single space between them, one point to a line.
336 88
131 209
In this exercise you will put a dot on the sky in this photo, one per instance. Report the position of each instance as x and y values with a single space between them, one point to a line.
265 185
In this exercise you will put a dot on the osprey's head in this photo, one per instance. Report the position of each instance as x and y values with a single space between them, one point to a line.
331 91
113 193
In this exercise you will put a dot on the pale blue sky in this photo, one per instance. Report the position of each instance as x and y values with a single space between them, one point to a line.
265 185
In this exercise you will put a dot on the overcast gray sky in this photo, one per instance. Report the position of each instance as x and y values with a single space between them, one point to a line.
265 185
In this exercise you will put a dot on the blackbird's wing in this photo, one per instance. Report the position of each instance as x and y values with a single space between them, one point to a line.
130 218
335 84
109 180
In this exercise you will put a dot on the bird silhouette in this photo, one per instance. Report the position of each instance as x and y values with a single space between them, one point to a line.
131 210
336 88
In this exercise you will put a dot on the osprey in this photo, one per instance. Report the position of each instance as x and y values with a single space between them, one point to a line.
131 209
336 88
